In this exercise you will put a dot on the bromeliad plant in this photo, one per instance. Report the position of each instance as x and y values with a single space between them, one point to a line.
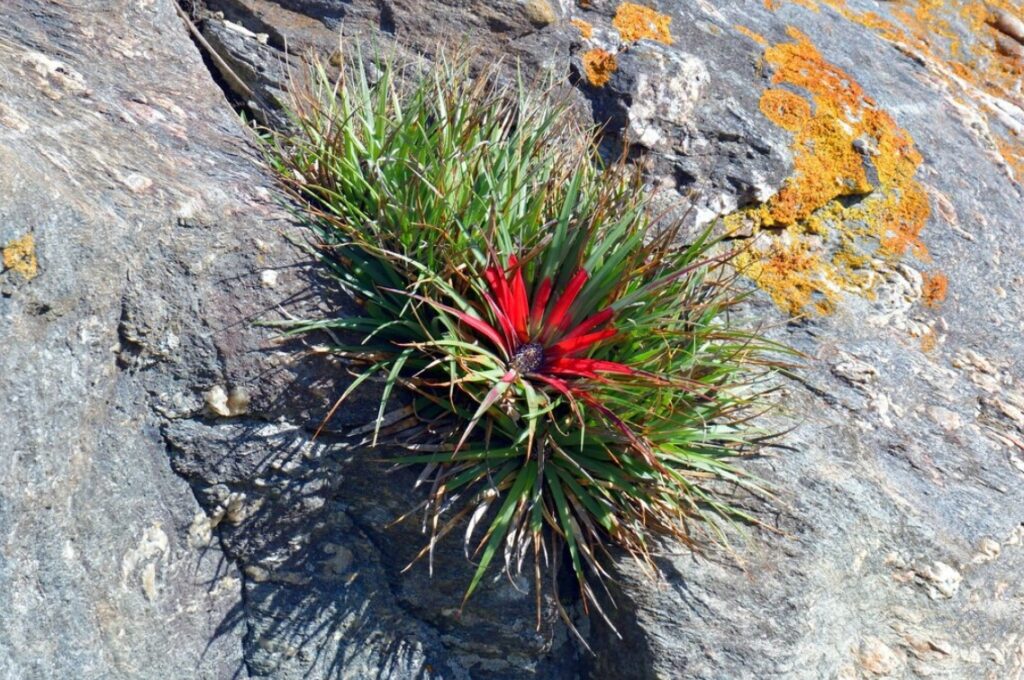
575 377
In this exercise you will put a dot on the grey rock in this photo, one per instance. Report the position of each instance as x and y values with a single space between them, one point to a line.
711 139
324 588
155 522
166 512
97 578
660 88
690 109
254 71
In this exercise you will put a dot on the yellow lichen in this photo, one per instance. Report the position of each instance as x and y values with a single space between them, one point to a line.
832 220
540 12
599 65
756 37
20 257
585 29
636 22
785 109
958 44
1011 147
773 5
825 161
789 271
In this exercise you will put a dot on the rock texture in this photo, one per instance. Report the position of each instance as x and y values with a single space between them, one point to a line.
165 511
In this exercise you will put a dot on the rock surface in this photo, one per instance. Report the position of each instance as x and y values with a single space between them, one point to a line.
165 511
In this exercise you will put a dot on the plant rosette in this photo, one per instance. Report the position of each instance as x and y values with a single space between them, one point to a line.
579 382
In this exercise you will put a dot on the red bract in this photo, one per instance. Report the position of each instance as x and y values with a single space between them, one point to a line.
542 340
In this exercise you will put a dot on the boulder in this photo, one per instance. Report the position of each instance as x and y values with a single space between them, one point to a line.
166 510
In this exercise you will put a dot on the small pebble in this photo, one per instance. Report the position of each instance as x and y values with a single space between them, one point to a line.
238 401
220 403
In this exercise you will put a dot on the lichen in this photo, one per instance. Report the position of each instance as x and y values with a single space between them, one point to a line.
773 5
599 65
584 27
540 12
958 44
636 22
934 288
1011 147
633 22
20 257
833 221
788 269
753 35
785 108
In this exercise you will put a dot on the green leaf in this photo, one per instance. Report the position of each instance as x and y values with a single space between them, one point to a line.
499 527
389 384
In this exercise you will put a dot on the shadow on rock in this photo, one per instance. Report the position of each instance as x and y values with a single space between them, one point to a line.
310 523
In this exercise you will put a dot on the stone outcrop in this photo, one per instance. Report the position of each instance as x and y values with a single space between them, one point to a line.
166 512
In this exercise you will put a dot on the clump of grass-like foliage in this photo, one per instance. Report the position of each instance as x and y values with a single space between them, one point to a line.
575 377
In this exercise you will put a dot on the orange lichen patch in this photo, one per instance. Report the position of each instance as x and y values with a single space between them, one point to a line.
959 43
636 22
599 66
851 203
773 5
900 219
799 63
934 289
785 109
790 273
806 4
925 27
585 29
827 165
756 37
1012 150
20 257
